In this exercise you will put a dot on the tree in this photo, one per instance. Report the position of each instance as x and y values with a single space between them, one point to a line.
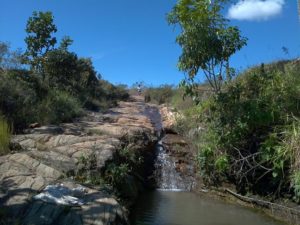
39 40
65 71
60 69
9 59
207 42
65 43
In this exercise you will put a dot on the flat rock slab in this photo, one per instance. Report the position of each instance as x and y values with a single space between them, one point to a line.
47 154
95 208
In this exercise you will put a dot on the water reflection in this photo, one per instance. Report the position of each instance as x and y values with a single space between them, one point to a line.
185 208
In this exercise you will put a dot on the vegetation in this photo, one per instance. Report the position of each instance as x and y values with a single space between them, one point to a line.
207 42
247 131
58 85
251 133
116 173
159 95
4 136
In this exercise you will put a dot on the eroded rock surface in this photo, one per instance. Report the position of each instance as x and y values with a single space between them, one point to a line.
50 154
169 117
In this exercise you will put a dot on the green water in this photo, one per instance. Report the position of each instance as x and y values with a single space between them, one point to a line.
186 208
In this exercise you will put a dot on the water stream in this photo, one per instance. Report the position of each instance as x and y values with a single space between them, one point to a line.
167 178
173 204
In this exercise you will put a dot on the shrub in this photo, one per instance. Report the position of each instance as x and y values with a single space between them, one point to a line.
5 133
296 185
58 107
18 98
252 133
116 174
159 95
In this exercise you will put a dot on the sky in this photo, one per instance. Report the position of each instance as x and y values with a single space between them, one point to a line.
130 40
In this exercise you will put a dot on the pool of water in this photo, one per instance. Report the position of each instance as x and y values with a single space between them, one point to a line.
186 208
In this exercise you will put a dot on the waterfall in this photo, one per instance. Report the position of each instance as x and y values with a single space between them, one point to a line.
166 174
167 177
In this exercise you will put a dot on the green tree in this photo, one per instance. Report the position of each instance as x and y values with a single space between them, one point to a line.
65 43
65 71
207 42
60 69
39 40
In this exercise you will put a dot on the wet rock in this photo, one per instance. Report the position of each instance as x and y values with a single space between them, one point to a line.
183 156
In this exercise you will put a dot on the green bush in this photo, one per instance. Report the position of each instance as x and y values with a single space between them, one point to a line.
58 107
18 98
296 185
5 133
250 130
116 174
159 95
58 83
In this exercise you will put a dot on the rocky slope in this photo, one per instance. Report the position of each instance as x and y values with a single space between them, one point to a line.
53 154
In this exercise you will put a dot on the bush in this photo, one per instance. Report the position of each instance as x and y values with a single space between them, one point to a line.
58 107
159 95
250 137
57 84
18 98
5 133
296 185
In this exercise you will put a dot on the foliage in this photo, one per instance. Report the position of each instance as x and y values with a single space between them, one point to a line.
252 130
87 170
65 43
57 86
5 132
296 185
291 142
9 59
222 163
115 174
207 41
159 95
60 69
125 162
18 98
58 107
39 40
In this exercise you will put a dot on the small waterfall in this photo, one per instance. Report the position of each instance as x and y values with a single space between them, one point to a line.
167 177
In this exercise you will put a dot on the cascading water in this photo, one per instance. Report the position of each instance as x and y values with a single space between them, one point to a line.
183 208
167 177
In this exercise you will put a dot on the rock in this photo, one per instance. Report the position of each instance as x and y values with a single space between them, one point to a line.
51 129
129 188
34 125
169 117
97 208
184 157
48 154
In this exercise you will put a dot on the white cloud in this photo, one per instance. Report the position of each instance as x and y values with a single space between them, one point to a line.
255 9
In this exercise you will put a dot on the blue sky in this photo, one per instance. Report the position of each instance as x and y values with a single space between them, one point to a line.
130 40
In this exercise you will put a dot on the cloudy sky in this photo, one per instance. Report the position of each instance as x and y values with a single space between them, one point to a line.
130 40
256 10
